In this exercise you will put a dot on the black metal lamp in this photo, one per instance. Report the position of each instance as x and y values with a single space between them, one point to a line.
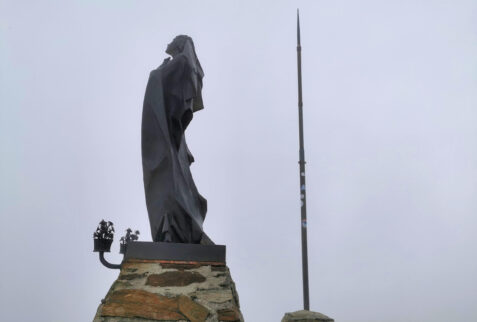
103 238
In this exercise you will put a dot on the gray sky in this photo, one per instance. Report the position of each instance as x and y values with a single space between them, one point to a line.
390 136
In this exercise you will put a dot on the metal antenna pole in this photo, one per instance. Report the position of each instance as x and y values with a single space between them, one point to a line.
304 246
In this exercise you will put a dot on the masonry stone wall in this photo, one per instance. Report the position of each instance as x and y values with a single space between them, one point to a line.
152 290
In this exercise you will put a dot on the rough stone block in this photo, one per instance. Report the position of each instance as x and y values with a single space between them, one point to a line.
174 278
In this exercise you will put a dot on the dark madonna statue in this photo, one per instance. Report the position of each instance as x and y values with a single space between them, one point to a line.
176 209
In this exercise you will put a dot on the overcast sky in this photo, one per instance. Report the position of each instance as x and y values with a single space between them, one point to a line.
390 106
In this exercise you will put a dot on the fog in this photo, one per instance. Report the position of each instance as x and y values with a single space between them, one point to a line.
390 108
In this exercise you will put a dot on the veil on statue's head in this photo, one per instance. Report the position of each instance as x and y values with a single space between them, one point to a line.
184 45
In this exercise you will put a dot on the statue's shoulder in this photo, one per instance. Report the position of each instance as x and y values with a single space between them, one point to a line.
165 62
156 72
171 67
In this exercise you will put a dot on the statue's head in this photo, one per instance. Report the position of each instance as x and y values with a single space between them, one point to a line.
184 45
177 45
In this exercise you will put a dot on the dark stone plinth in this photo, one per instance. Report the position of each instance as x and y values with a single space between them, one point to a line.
175 252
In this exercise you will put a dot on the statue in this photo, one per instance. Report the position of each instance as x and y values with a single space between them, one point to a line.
176 213
174 92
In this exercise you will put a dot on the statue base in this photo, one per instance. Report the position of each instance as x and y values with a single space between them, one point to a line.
166 288
175 252
306 316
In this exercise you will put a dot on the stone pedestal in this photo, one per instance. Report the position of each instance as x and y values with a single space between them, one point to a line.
306 316
167 290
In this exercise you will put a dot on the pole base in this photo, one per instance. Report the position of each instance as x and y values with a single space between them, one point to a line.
306 316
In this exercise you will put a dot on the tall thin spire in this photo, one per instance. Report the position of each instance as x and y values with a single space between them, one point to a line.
298 26
304 243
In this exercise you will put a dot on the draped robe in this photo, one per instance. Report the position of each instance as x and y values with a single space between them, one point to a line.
175 207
